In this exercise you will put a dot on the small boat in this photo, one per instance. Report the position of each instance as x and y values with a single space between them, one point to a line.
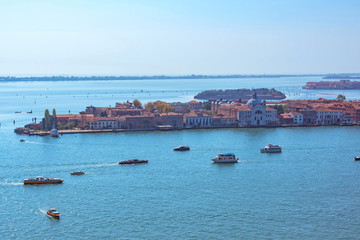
29 112
17 112
22 140
133 161
182 148
42 180
357 158
77 173
54 133
225 158
52 212
271 149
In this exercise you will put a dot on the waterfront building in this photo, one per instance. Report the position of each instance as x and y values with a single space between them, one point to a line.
244 115
224 121
326 116
347 119
309 116
298 118
261 115
200 119
140 122
286 119
98 123
175 120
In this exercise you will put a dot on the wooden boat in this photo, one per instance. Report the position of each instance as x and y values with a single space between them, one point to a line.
42 180
52 212
77 173
133 161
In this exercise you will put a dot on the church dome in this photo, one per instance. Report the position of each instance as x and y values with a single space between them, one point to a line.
255 101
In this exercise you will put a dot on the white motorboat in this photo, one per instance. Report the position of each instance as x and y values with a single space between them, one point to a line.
225 158
270 148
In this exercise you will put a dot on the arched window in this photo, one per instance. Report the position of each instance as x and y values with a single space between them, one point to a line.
258 112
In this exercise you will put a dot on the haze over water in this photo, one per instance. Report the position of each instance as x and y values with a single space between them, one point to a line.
307 192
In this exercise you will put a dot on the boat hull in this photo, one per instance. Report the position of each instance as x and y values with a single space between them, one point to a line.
225 161
42 182
132 162
56 216
270 151
77 173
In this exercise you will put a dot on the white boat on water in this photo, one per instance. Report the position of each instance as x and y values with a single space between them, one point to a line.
271 149
225 158
54 133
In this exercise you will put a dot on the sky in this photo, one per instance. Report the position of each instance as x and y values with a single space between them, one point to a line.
152 37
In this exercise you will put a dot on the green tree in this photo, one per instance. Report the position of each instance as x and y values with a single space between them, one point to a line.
47 124
54 117
340 97
164 108
280 108
71 125
137 103
149 106
206 106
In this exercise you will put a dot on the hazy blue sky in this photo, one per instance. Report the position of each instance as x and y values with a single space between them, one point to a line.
139 37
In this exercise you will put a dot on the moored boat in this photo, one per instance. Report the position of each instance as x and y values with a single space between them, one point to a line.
133 161
52 212
357 158
42 180
77 173
54 133
182 148
225 158
270 148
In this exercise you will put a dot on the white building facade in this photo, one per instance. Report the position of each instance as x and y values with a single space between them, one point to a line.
106 124
298 118
328 116
193 120
257 114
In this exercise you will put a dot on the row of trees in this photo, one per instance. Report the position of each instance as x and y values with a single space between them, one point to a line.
151 107
50 121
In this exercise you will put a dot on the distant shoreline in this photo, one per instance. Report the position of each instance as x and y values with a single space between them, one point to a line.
154 77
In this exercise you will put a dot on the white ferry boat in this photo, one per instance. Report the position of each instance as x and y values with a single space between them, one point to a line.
271 149
42 180
225 158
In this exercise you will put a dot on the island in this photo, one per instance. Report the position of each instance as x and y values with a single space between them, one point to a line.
165 116
235 94
327 85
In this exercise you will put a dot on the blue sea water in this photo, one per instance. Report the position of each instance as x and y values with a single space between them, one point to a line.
307 192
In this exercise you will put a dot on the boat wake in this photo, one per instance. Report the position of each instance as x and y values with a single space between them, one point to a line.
98 165
11 183
42 211
39 143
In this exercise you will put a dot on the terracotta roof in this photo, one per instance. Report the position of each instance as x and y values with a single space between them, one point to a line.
285 115
269 109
